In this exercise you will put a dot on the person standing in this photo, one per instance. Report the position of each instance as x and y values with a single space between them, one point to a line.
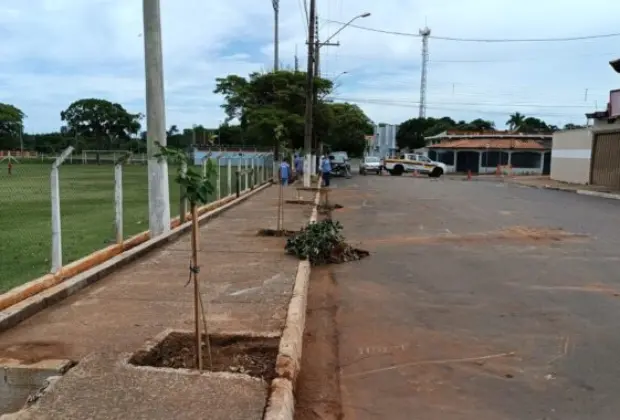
326 168
10 166
285 172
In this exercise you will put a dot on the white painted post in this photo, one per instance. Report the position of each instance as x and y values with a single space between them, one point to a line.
307 170
159 193
239 170
247 174
218 185
253 173
56 225
230 191
118 201
118 195
182 199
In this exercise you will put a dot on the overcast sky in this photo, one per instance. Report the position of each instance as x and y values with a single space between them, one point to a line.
53 52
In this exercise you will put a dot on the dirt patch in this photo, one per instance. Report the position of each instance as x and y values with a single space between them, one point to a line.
306 202
318 385
326 209
34 351
253 356
521 234
276 233
344 252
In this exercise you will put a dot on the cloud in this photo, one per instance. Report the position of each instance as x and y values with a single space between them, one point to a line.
56 51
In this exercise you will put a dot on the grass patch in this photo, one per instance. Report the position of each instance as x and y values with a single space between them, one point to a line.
87 209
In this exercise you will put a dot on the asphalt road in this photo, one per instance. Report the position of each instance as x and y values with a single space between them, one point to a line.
479 301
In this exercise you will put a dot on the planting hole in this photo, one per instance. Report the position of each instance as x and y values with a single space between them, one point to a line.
253 356
276 233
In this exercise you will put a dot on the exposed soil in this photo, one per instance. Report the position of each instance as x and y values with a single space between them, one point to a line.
307 202
326 209
318 384
254 356
276 233
345 253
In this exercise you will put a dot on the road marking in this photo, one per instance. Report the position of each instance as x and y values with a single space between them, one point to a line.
429 362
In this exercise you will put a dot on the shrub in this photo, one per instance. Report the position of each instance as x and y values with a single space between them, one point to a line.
316 242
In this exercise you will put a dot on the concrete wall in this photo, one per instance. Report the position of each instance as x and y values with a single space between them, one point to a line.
571 156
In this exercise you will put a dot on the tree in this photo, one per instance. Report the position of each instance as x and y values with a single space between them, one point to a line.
11 123
349 127
264 101
534 125
515 121
412 132
108 123
571 126
196 187
478 125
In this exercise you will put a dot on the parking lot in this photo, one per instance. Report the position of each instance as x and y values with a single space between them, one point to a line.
480 300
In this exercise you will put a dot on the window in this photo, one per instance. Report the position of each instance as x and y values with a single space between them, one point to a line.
422 158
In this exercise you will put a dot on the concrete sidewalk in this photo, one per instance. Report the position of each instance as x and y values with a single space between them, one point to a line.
247 284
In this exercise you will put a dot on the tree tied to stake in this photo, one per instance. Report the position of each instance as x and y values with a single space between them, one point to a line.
196 185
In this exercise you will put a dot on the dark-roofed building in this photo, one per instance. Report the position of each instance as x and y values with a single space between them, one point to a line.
484 151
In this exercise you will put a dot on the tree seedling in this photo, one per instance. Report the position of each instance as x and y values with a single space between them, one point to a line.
196 185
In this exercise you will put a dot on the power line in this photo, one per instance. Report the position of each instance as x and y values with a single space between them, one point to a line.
470 110
499 40
512 104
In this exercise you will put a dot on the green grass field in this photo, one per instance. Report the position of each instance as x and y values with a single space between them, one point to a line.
87 210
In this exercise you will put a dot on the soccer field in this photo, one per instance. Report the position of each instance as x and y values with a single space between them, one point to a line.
87 212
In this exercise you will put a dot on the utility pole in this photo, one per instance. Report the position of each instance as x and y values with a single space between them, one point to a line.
317 144
425 34
159 194
309 94
276 34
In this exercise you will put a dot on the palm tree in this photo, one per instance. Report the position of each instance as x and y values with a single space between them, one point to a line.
515 120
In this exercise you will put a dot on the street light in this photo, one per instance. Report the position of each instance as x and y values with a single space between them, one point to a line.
362 16
615 64
276 37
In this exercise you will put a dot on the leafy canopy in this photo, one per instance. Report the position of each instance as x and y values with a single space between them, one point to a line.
100 119
196 184
11 119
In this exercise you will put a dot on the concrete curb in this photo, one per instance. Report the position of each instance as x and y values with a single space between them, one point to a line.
590 193
20 311
599 194
281 402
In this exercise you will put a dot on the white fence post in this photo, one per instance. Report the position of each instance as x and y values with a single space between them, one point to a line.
182 199
118 196
239 170
247 174
230 191
55 196
218 186
253 173
118 201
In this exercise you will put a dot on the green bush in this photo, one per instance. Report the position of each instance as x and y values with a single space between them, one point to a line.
316 242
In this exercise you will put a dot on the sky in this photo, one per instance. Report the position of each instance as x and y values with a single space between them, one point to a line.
53 52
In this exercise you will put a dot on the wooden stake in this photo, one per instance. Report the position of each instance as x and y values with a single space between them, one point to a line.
197 306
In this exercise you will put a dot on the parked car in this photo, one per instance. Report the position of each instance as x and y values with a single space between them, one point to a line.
370 164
